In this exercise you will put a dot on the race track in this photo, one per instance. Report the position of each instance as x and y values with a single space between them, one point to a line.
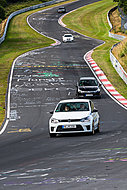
29 158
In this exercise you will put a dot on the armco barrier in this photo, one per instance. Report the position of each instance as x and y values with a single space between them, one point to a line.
115 36
114 61
118 67
25 10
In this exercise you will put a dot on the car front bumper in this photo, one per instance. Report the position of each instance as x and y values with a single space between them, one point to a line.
78 127
67 40
89 94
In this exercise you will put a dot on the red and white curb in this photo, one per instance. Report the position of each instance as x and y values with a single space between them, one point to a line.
103 79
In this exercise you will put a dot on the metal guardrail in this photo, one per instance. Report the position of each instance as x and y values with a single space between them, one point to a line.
118 67
113 59
25 10
115 36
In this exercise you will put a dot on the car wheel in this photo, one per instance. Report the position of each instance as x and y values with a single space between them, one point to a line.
93 131
98 128
77 94
52 135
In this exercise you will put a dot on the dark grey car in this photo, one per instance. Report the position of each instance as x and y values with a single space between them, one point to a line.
88 87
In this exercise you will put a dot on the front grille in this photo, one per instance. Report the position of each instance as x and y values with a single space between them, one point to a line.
69 120
88 89
78 128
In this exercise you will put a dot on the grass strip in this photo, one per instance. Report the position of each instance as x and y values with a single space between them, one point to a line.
20 39
91 20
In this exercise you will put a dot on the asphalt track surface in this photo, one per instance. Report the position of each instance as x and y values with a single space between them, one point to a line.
29 158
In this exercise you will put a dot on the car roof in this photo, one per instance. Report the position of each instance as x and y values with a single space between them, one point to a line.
61 7
74 100
68 34
87 78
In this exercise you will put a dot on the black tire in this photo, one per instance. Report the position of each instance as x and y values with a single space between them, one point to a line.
77 95
93 131
98 129
52 135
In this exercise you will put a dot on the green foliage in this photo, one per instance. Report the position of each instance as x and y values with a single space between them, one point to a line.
3 3
2 13
122 4
125 8
20 1
12 7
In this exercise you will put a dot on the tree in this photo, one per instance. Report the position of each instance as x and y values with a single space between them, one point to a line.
2 13
125 8
3 3
122 4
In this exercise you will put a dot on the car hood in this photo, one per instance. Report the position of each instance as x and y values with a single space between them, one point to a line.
71 115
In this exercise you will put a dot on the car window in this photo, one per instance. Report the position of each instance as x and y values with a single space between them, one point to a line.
72 106
67 35
88 83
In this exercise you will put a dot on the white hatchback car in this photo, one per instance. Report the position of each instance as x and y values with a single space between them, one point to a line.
74 116
68 38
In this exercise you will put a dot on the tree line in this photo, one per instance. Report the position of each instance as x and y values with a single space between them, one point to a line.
5 3
122 4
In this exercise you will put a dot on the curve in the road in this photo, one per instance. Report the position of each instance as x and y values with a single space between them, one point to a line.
40 79
99 74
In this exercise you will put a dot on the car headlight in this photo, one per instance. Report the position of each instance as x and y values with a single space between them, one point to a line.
98 90
86 119
80 89
53 120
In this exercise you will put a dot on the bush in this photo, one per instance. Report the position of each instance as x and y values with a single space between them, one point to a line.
2 13
0 20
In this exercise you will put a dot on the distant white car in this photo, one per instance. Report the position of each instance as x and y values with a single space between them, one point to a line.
74 116
68 38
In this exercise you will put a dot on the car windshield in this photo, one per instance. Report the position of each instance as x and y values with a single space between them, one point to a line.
67 35
88 83
72 106
61 8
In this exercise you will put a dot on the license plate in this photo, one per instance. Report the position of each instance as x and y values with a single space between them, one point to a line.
69 126
89 94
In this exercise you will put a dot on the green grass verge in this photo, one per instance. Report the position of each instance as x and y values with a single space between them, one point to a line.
20 39
91 20
20 5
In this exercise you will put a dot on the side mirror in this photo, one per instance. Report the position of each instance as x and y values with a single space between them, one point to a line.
95 110
51 112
